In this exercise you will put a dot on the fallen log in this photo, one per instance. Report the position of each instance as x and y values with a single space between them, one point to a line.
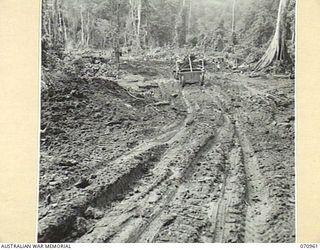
162 103
151 86
254 75
130 94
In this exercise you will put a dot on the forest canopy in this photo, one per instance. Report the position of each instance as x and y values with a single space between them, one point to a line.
241 27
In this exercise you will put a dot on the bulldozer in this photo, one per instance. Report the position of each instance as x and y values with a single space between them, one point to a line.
189 70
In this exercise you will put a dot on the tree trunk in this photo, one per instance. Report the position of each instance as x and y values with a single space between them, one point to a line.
233 20
181 26
189 19
277 50
53 22
44 28
82 28
138 22
88 30
132 23
65 30
135 16
60 25
49 25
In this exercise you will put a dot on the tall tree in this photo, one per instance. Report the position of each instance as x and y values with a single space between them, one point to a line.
181 26
233 18
277 50
233 31
135 22
82 26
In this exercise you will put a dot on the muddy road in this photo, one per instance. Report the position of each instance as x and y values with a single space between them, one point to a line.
145 160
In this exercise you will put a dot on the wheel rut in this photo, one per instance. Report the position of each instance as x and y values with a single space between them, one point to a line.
100 193
198 180
257 197
146 210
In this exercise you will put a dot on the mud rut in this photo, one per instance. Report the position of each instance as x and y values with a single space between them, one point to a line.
198 181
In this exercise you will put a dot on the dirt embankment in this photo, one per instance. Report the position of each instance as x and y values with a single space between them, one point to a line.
147 161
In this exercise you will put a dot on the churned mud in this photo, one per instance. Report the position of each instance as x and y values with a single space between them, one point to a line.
142 159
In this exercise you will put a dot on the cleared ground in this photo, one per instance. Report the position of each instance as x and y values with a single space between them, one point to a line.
145 160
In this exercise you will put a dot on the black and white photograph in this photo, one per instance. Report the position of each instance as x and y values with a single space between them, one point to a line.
167 121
